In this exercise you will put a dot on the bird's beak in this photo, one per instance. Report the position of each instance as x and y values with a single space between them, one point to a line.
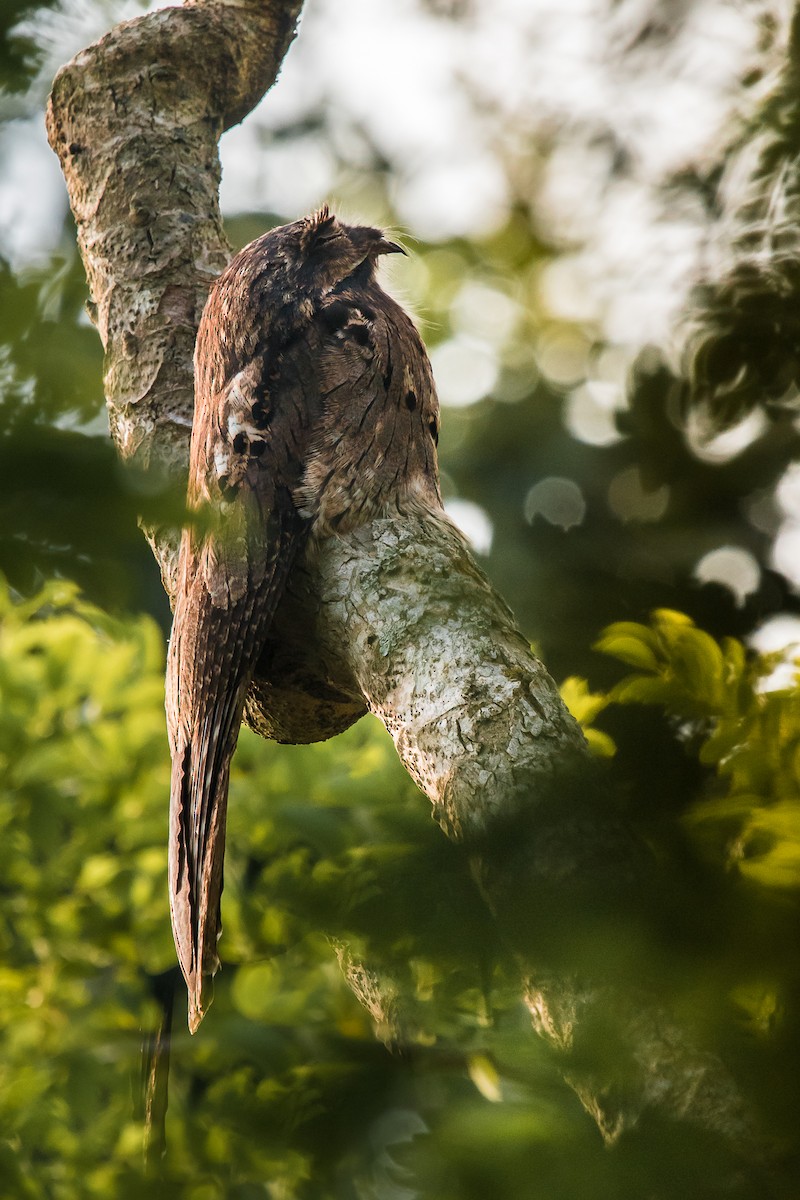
386 247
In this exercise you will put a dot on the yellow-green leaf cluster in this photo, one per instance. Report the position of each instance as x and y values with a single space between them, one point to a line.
747 735
585 706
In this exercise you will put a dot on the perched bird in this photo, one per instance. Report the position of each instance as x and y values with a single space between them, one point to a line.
315 411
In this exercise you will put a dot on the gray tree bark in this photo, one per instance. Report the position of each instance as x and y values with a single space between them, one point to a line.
395 618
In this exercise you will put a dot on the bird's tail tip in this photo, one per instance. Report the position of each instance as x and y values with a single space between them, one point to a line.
201 994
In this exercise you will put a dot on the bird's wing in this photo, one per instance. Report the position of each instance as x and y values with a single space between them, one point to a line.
246 457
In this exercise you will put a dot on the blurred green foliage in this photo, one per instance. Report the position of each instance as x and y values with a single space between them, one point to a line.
738 724
67 505
286 1091
18 54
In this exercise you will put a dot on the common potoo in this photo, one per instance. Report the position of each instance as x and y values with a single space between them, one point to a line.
315 411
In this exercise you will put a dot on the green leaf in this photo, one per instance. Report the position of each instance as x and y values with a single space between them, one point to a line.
581 702
640 689
697 660
635 651
485 1076
600 743
635 644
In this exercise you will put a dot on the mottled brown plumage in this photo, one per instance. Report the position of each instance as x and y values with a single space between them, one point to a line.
315 411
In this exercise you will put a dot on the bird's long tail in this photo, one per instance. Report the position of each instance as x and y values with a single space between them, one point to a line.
198 807
223 614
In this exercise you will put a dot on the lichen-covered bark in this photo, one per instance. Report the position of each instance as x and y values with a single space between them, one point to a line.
405 617
396 617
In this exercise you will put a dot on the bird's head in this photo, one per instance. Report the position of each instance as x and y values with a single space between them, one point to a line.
328 251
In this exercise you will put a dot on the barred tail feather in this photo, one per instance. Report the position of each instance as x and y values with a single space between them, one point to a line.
197 845
212 654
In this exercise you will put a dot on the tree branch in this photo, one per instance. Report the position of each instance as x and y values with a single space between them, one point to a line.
403 616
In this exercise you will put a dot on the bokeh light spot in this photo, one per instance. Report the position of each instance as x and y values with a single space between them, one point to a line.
629 501
484 312
778 634
465 371
589 413
734 568
560 501
785 556
562 355
473 521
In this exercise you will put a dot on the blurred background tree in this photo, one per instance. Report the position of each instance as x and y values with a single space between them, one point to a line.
601 199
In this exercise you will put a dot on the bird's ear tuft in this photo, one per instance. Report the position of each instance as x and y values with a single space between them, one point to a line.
315 226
